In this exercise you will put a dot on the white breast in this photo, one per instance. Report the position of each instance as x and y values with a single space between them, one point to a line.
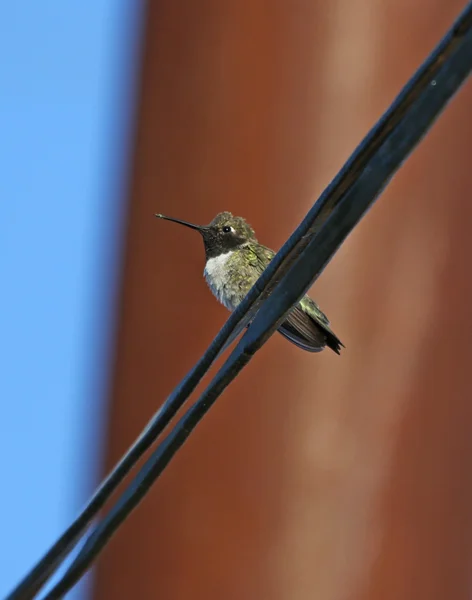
215 274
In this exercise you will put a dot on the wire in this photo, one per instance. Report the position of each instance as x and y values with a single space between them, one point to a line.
366 174
340 207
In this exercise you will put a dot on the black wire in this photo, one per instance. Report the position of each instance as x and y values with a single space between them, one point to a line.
350 195
50 561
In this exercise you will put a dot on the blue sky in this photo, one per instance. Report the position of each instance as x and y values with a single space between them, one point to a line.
67 84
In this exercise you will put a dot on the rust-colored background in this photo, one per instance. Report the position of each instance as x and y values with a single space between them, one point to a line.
314 476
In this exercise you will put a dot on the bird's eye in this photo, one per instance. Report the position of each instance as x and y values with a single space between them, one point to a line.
227 229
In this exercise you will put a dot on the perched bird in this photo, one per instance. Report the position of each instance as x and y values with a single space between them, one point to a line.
235 261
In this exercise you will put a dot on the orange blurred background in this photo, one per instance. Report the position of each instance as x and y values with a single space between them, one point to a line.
314 476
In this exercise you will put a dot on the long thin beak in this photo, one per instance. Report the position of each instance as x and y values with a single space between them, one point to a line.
191 225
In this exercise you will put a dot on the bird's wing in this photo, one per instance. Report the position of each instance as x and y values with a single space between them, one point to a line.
306 325
303 331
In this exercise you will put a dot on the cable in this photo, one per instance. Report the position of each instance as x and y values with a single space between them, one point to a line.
344 202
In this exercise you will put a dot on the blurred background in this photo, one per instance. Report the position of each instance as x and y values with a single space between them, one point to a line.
314 475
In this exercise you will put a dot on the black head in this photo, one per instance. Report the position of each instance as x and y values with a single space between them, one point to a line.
223 234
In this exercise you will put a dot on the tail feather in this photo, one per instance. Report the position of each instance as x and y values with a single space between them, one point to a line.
309 333
333 342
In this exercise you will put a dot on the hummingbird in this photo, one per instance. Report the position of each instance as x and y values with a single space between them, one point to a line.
234 262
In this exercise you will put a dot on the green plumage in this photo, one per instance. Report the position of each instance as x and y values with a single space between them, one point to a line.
243 268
